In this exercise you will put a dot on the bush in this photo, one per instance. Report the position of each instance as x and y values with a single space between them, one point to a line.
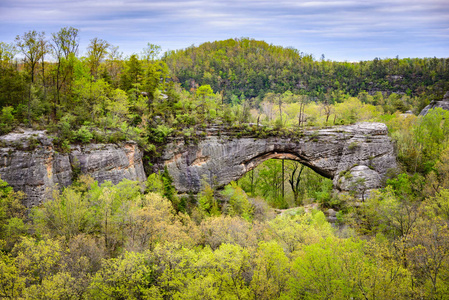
207 203
65 127
65 146
7 120
238 203
160 133
84 135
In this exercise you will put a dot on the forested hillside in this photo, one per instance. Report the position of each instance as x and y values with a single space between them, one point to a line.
266 236
250 68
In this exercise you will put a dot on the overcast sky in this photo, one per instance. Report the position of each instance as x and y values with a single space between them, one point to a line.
341 29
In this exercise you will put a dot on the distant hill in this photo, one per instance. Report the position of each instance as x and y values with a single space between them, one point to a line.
253 68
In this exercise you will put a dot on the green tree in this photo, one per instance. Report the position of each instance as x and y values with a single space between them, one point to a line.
12 87
238 204
428 255
7 119
65 44
96 52
271 272
12 215
12 283
131 78
339 269
125 277
30 46
207 203
151 52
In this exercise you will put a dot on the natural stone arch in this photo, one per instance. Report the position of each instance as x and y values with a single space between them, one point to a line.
359 154
256 161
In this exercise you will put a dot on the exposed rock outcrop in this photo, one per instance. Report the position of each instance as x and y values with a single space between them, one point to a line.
29 162
354 157
444 104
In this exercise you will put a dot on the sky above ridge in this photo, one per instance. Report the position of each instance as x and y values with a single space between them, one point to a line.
341 29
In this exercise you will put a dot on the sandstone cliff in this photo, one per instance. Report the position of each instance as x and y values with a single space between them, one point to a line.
30 163
355 157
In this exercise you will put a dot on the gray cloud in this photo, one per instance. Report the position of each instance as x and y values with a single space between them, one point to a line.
341 29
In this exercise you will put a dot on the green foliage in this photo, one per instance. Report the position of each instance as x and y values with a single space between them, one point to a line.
431 135
390 214
170 192
234 67
84 135
238 204
160 133
12 215
271 272
422 140
340 269
7 119
207 203
155 184
113 241
126 277
270 183
324 194
294 231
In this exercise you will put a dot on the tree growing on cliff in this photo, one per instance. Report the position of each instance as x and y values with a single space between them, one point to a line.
29 45
65 44
96 52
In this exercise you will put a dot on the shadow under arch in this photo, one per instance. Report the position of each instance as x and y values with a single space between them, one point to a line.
256 161
363 152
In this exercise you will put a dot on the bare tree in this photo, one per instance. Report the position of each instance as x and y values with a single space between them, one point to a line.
328 109
301 115
295 180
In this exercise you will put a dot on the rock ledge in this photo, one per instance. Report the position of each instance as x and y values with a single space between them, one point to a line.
29 163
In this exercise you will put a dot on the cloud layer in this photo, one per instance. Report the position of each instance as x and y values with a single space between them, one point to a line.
341 29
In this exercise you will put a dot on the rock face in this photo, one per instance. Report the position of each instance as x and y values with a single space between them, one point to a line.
355 157
29 162
444 104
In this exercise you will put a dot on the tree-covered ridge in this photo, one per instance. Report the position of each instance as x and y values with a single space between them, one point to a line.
253 68
105 97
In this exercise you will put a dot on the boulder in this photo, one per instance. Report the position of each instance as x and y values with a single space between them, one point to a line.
444 104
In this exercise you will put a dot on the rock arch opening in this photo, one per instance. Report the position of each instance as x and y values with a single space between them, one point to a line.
284 182
256 161
360 153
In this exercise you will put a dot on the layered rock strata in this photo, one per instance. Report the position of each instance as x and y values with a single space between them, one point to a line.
355 157
30 163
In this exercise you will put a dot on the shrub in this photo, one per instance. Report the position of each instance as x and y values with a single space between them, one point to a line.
239 204
7 120
160 133
84 135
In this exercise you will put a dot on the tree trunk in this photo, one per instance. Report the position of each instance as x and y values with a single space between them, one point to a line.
283 178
